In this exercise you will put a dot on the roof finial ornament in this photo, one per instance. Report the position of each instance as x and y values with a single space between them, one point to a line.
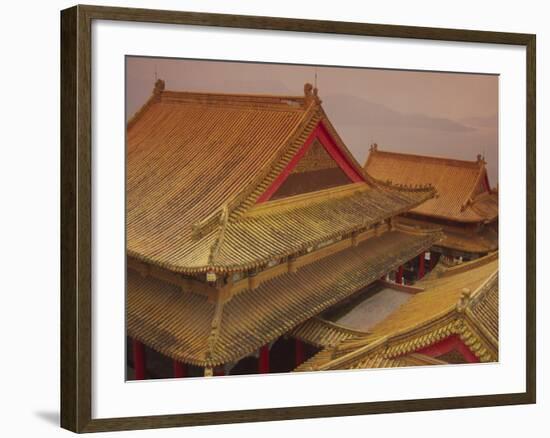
464 299
159 87
310 94
481 158
374 147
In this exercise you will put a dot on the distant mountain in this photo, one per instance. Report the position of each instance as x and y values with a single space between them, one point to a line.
347 109
481 122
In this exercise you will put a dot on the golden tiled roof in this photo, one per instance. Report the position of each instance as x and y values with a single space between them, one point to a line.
197 163
321 333
482 311
479 242
486 205
461 192
289 226
476 240
186 327
462 302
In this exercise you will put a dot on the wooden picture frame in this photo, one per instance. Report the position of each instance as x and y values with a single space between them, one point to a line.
76 217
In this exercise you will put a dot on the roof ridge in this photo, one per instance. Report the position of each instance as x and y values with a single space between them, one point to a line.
483 288
342 145
309 198
470 313
479 162
471 194
365 349
246 96
428 188
340 327
160 93
218 243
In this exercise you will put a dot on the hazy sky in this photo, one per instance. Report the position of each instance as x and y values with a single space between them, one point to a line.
442 114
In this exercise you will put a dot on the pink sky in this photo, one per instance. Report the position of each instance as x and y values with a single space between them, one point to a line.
443 114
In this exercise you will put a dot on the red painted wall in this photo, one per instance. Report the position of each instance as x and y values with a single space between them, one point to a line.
321 133
448 344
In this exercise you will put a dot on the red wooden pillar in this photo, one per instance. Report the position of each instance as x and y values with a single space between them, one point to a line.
421 268
299 350
399 275
180 369
219 371
263 361
139 359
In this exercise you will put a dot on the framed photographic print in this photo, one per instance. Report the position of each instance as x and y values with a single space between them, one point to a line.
267 218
